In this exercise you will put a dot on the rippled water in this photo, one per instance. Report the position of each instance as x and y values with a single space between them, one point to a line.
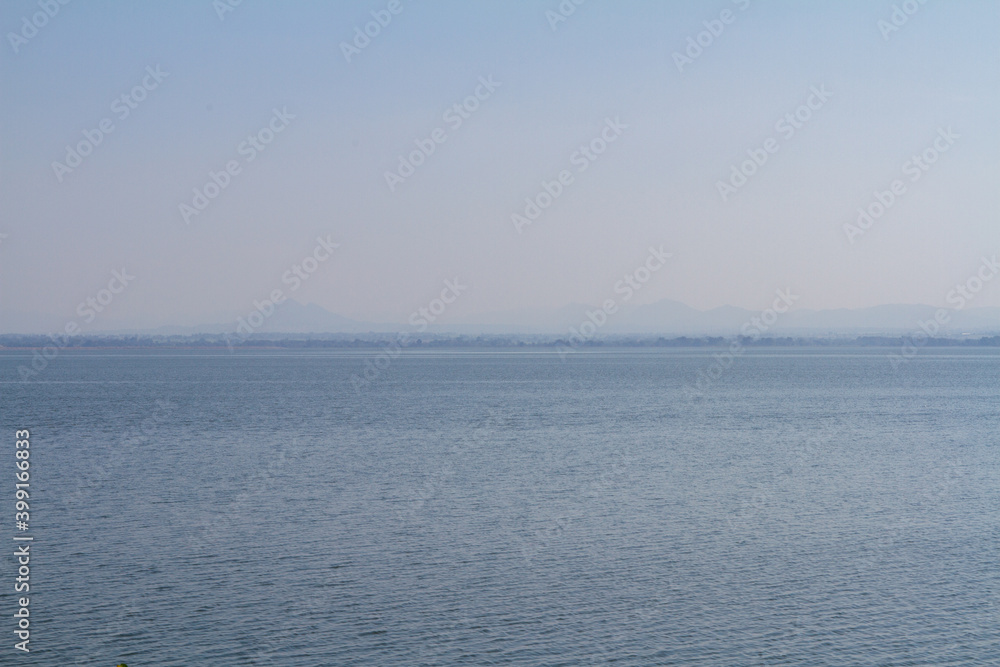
807 507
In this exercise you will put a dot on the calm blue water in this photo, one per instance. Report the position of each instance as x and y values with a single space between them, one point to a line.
810 507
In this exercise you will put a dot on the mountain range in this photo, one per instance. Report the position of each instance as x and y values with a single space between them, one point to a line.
662 317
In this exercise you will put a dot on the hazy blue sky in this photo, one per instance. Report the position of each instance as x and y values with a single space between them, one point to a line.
656 183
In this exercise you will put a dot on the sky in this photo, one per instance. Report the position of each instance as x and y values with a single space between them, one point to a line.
630 122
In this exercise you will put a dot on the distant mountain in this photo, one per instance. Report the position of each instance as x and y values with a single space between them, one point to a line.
663 317
892 318
522 321
671 317
652 317
292 316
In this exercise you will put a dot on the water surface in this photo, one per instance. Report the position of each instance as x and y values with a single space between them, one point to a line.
806 507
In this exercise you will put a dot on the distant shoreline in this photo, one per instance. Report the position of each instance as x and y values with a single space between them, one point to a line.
437 341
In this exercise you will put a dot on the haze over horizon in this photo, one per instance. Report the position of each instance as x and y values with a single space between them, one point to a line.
665 317
246 150
504 333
